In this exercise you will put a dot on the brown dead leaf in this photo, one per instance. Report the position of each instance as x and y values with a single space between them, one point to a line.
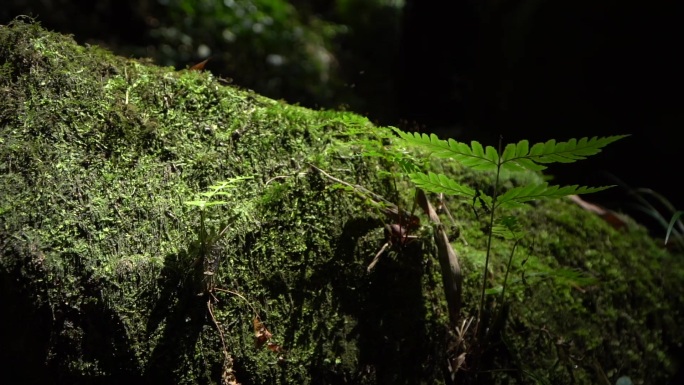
275 348
261 334
609 216
199 66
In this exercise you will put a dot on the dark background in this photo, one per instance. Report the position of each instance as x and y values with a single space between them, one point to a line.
534 69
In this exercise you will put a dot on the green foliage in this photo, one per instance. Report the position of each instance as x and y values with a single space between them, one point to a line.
440 183
522 194
508 228
674 221
218 189
515 157
206 200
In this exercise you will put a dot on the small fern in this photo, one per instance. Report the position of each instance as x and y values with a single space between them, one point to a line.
513 157
206 200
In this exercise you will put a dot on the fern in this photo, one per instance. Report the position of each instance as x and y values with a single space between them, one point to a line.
205 200
440 183
514 157
518 195
508 228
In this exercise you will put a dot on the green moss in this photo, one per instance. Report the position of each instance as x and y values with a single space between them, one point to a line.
611 318
99 154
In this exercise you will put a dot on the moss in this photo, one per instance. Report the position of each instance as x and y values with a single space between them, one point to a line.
100 152
588 303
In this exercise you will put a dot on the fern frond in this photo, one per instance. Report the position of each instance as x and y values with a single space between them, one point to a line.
440 183
520 155
518 195
407 165
474 156
515 157
508 228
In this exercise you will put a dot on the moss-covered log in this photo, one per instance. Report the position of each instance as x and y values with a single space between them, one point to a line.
106 275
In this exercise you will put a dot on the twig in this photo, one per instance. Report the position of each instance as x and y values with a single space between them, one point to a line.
387 207
376 259
228 376
235 293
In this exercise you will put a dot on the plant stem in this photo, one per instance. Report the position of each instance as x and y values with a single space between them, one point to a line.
508 269
203 233
489 240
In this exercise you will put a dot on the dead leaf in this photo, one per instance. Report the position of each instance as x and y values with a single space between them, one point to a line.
275 348
609 216
199 66
261 334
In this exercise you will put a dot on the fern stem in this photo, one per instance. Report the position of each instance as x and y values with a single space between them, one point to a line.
489 240
203 233
508 269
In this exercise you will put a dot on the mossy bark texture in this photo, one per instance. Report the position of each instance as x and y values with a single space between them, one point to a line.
106 277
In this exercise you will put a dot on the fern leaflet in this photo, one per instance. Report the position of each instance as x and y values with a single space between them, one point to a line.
508 228
521 156
440 183
474 156
528 193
